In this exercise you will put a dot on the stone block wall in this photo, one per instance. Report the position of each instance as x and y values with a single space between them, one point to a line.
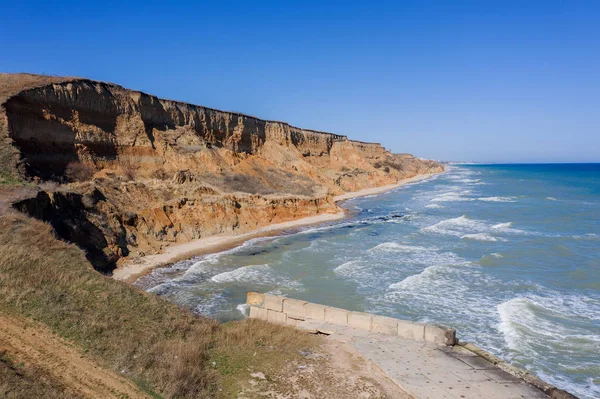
282 310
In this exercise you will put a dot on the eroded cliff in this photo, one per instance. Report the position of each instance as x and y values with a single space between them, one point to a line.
135 172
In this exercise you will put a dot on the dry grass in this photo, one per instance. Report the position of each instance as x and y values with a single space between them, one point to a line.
263 182
387 164
128 168
166 350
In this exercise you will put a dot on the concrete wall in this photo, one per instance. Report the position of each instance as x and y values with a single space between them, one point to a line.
282 310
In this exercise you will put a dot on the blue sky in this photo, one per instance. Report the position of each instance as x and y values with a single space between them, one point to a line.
451 80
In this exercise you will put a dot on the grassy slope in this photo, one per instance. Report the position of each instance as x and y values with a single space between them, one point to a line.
166 350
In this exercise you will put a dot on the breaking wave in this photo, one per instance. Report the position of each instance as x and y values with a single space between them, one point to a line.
464 227
560 326
452 196
395 247
481 237
497 199
245 273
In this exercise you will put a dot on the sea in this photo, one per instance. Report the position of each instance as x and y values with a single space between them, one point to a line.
509 255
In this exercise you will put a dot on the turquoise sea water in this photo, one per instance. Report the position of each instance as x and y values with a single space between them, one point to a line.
509 255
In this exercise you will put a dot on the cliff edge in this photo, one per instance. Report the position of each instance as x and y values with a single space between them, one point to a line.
120 172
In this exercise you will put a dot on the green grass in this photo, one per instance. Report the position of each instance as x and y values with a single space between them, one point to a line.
9 179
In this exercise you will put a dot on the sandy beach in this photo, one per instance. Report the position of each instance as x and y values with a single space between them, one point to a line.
137 267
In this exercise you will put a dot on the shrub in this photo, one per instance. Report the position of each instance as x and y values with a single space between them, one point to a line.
161 174
246 183
79 171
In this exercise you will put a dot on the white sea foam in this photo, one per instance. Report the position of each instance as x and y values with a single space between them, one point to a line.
439 263
416 279
434 206
467 228
205 306
482 237
554 322
245 273
243 308
502 225
456 226
588 236
395 247
551 198
347 268
452 196
497 199
200 267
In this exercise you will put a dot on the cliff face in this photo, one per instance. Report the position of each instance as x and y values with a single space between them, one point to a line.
145 171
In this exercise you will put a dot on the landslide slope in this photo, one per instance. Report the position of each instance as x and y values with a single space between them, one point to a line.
133 172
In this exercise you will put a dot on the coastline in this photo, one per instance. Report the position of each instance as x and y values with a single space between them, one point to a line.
383 189
139 266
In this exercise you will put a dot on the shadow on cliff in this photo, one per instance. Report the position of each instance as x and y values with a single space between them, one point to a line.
66 214
46 134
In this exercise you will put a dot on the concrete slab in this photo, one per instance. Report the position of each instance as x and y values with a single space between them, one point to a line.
336 316
411 330
465 376
255 299
332 328
294 308
311 326
276 317
273 302
314 311
477 362
258 313
440 334
501 376
384 325
360 320
428 370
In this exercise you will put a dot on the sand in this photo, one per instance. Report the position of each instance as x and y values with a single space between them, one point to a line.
139 266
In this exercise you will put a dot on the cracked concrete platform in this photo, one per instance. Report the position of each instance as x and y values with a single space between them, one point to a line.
430 371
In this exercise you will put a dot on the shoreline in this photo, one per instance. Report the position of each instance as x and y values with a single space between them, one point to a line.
140 266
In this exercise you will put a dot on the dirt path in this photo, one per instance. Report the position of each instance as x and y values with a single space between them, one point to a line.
31 343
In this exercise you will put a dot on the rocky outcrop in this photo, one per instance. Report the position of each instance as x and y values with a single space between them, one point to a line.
144 171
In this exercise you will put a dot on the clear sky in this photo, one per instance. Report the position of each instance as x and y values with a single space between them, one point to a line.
515 81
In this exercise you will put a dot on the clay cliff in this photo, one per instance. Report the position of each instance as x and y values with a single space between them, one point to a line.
122 173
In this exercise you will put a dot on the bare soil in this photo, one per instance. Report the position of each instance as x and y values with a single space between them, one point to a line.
28 343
